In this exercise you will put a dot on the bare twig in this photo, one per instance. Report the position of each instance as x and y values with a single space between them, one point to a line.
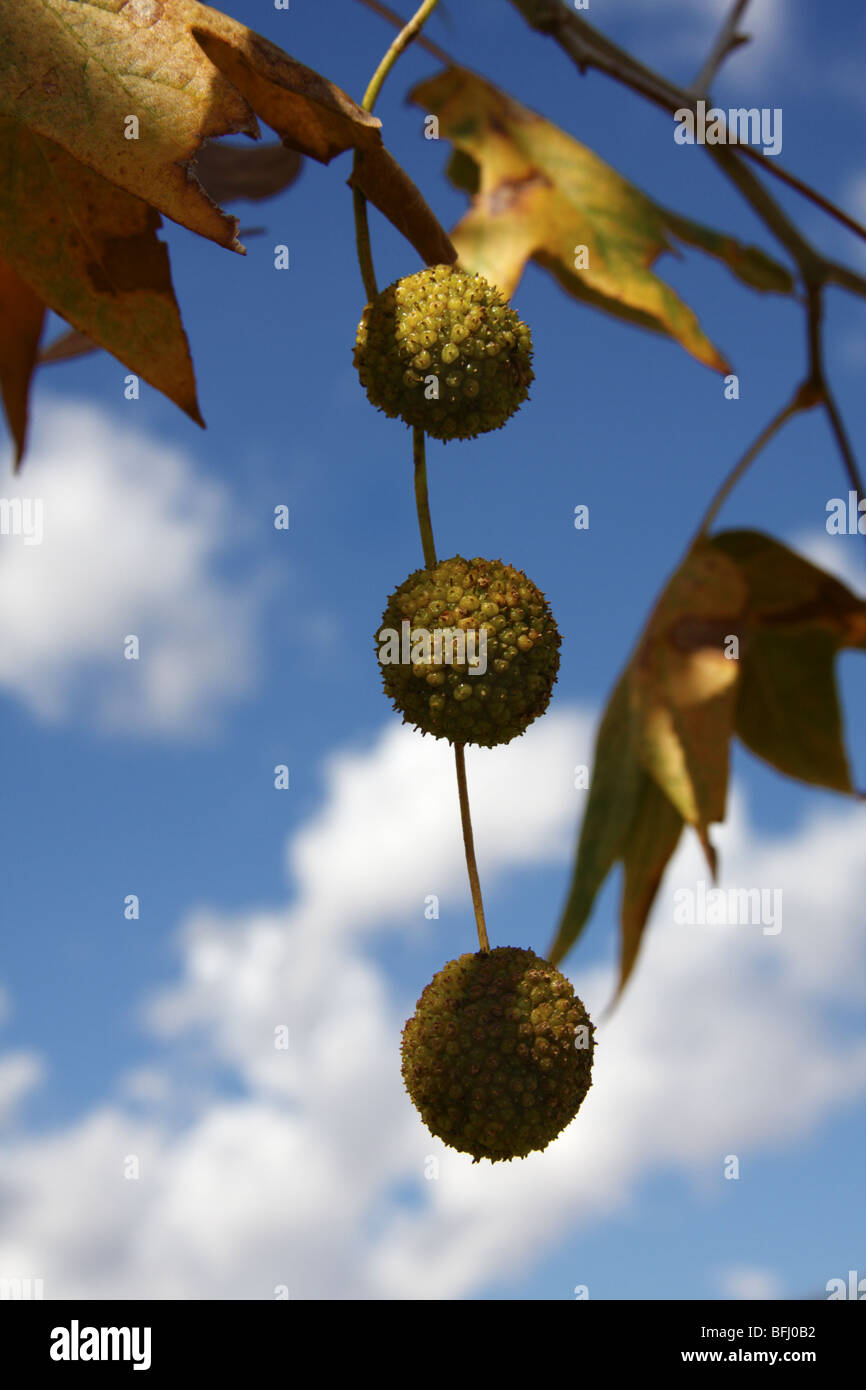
643 80
803 399
823 393
727 41
590 49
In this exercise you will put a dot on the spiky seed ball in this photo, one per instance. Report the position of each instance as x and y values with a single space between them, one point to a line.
469 651
498 1055
443 350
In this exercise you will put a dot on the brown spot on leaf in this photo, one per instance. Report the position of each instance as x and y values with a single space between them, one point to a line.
130 263
510 193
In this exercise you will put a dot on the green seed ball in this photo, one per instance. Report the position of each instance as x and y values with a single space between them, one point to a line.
497 1058
462 623
418 328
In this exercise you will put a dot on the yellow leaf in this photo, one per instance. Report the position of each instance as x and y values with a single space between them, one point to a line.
75 73
683 686
541 195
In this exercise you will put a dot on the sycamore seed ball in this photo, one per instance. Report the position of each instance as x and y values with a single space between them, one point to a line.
443 350
498 1055
469 651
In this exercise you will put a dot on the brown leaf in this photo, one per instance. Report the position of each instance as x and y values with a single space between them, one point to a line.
539 195
73 343
21 316
629 820
315 117
684 687
652 838
613 794
91 252
233 173
73 73
230 173
799 618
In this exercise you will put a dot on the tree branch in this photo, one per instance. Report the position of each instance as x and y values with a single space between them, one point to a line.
590 49
727 41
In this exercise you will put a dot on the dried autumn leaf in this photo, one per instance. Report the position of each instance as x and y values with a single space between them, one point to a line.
800 618
73 343
683 686
628 819
613 792
113 99
230 173
233 173
315 117
21 316
654 835
91 252
661 757
540 195
74 73
662 754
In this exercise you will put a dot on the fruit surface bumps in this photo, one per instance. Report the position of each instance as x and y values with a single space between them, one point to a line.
497 1058
514 634
442 349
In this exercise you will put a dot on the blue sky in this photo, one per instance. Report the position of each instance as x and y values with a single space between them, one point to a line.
305 907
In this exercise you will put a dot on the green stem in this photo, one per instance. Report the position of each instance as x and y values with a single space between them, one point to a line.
362 240
422 501
359 202
469 845
400 44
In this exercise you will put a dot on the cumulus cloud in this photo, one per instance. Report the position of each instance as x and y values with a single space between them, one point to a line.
133 538
317 1174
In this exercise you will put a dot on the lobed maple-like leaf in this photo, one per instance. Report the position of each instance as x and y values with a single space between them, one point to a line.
104 106
538 194
662 751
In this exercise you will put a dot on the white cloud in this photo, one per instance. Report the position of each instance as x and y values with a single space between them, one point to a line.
20 1072
726 1042
133 539
746 1282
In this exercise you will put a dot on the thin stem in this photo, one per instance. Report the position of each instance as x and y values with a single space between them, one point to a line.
422 501
844 444
469 844
362 241
804 399
359 202
727 41
400 44
822 387
588 48
385 12
605 58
